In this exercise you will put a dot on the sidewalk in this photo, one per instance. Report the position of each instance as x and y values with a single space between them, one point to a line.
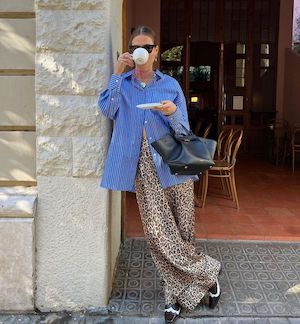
260 284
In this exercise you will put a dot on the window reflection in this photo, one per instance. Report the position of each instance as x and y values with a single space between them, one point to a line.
200 73
173 54
264 49
240 48
240 73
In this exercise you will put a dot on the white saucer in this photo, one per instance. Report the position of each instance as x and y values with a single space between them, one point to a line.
149 105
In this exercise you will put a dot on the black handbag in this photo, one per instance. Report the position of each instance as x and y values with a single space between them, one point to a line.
186 154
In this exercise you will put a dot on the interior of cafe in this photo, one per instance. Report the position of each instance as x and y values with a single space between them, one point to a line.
231 59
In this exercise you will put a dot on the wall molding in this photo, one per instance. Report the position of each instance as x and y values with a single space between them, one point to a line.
17 15
16 72
13 183
25 128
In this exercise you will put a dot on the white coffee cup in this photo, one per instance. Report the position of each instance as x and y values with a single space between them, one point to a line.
140 56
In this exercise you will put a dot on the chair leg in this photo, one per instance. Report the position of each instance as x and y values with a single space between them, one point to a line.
234 193
223 183
196 201
228 187
204 187
200 185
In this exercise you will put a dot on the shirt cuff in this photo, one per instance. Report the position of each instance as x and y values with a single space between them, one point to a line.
115 82
174 120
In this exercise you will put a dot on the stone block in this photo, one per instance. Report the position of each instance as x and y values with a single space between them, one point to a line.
71 4
17 6
17 206
17 109
79 31
88 76
17 264
70 116
89 4
54 156
17 158
72 246
88 156
53 73
53 4
17 46
70 74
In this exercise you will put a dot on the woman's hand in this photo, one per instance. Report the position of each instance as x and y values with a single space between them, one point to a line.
167 108
123 61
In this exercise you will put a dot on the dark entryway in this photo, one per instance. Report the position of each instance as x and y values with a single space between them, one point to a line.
223 52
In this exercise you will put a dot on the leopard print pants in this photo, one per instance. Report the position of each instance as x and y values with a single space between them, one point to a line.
168 222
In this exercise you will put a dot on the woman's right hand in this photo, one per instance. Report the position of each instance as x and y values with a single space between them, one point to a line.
123 61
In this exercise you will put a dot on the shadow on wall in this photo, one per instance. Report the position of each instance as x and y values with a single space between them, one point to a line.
21 150
13 42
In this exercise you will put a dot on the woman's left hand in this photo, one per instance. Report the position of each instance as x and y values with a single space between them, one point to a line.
167 108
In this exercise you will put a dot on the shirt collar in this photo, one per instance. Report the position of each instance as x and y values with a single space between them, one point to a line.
158 74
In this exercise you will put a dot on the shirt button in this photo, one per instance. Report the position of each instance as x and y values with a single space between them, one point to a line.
154 154
150 138
117 80
146 121
112 99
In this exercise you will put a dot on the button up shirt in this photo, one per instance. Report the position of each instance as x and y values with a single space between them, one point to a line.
118 102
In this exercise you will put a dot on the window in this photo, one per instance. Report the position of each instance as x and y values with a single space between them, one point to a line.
200 73
264 59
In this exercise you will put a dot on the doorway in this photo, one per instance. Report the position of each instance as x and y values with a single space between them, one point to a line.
224 55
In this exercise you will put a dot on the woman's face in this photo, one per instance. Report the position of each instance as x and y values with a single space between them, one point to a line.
142 40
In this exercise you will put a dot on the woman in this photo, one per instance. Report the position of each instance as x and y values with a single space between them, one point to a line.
165 201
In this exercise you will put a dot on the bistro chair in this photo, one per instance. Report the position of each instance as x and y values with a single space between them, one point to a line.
225 169
295 143
223 143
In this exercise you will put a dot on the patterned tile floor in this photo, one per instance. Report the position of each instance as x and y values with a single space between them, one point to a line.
259 279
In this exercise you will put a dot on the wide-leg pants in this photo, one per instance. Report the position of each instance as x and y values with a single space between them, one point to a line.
168 221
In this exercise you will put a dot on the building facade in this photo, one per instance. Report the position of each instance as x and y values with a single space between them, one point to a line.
60 237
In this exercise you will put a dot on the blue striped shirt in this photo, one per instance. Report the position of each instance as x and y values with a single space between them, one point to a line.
118 102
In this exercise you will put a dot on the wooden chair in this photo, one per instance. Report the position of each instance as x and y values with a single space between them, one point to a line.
295 143
224 169
223 143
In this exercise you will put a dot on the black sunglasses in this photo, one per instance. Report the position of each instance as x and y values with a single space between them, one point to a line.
147 47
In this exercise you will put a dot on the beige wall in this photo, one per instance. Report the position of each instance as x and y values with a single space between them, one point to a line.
291 110
284 42
17 106
17 6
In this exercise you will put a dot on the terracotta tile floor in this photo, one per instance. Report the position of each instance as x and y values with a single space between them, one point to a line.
269 206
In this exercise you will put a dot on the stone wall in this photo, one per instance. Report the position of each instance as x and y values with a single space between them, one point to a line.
75 48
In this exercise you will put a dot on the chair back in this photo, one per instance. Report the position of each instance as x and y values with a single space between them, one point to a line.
207 130
234 146
198 127
223 143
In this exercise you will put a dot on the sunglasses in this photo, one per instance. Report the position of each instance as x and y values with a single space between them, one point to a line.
147 47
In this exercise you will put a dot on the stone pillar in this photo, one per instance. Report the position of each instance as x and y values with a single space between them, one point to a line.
73 63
